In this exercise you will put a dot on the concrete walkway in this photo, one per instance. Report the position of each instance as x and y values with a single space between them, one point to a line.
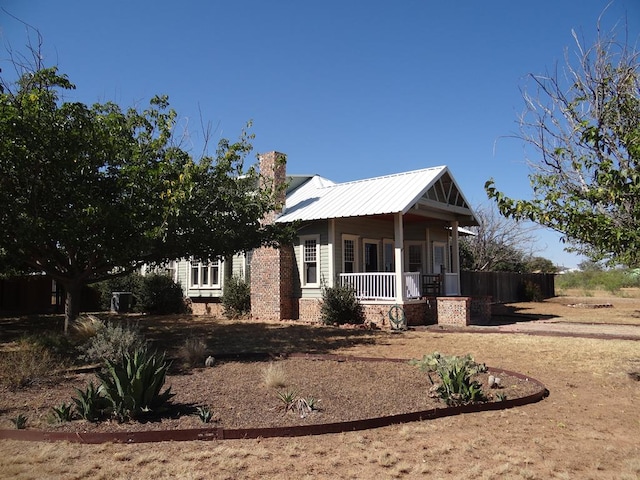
553 328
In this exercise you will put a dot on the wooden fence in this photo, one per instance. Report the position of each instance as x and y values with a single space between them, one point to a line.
506 287
38 294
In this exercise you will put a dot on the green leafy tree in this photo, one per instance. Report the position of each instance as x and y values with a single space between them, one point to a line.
89 192
541 265
584 122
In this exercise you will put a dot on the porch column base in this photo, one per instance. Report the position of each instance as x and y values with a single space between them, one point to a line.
454 311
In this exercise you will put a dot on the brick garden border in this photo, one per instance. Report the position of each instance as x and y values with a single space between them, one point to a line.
215 433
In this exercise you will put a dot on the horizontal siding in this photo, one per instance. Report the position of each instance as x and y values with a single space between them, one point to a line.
316 228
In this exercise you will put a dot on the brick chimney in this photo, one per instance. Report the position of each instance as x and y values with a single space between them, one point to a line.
273 171
272 269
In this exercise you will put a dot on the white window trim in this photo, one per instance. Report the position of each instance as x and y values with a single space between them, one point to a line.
200 266
303 280
356 252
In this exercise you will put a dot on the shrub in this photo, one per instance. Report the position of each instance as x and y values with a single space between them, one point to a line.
57 343
132 384
193 352
112 341
236 297
29 363
611 280
340 306
532 292
125 283
159 294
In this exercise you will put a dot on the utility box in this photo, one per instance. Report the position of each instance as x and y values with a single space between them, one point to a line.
121 302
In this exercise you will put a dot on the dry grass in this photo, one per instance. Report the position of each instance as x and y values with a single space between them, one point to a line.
28 363
587 428
274 375
193 352
86 327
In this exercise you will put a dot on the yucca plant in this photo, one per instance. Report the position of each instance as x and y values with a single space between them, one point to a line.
288 399
90 403
133 384
204 413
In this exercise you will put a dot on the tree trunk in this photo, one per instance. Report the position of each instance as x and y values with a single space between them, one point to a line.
72 304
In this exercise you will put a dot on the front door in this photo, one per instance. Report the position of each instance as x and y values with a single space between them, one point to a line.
370 256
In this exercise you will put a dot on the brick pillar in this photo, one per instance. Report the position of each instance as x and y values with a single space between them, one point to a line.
272 269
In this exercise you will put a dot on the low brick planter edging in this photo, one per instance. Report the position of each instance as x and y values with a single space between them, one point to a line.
214 433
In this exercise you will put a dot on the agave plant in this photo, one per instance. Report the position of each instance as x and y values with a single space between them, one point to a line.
133 384
20 421
90 404
62 412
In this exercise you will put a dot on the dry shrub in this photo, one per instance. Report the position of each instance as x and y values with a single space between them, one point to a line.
112 341
274 376
86 327
29 363
193 352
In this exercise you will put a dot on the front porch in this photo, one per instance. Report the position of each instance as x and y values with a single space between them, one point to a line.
382 286
425 299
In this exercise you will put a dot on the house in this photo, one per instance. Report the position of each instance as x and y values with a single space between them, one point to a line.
394 239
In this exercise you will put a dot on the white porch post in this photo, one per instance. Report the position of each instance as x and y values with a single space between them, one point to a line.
455 254
330 250
399 242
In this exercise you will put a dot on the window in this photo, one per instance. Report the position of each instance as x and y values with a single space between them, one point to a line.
205 275
349 254
310 260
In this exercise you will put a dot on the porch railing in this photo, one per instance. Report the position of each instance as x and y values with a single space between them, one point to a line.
381 285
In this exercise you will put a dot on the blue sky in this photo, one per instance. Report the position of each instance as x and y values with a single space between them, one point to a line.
347 89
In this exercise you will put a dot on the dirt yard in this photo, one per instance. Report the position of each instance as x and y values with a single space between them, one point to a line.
588 427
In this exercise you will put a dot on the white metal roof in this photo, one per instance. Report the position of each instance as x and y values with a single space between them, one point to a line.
320 198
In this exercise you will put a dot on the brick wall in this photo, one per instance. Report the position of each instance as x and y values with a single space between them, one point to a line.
309 309
454 311
212 307
272 269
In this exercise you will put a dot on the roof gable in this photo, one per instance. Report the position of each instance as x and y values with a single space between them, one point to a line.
430 188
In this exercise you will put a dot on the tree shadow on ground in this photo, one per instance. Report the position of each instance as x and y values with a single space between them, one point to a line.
14 328
227 336
505 314
169 332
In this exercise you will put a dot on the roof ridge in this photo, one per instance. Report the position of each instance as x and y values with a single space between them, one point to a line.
389 175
